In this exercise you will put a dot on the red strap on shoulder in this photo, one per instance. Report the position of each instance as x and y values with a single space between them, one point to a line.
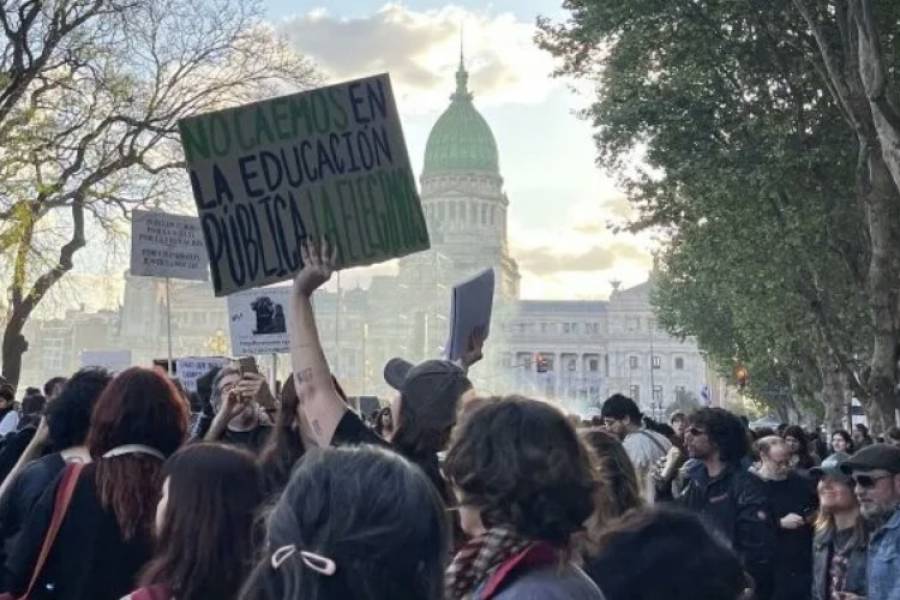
154 592
537 555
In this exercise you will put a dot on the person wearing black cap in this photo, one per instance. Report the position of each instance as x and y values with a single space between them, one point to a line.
841 535
430 393
876 471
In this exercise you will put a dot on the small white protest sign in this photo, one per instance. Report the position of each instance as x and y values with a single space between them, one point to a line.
258 321
111 360
192 368
166 245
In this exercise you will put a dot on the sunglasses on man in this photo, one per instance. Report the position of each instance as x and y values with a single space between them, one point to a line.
868 481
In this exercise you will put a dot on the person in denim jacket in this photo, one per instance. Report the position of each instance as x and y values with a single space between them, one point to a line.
876 471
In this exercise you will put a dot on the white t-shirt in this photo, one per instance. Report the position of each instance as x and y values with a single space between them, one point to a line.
645 448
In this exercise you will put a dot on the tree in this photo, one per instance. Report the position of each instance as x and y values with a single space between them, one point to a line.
90 96
737 110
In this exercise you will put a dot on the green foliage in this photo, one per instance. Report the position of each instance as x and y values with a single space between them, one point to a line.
751 178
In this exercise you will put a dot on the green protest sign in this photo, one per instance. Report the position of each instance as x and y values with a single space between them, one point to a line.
330 162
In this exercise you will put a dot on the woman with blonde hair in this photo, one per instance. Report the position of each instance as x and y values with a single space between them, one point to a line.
841 537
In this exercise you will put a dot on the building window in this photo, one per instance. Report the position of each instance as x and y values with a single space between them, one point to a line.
635 392
484 214
657 394
593 365
452 211
633 362
679 364
493 214
567 328
656 362
570 364
543 328
632 324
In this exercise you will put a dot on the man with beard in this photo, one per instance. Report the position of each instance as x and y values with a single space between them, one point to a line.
793 501
876 471
727 496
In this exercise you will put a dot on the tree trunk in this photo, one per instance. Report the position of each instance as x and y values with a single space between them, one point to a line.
14 343
835 395
14 346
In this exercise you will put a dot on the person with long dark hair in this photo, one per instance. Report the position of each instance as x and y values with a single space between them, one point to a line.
107 532
204 525
358 523
617 489
798 443
842 441
62 432
525 485
667 554
286 444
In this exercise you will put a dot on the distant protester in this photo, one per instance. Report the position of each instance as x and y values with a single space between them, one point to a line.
861 437
645 448
842 442
289 439
9 418
797 442
238 400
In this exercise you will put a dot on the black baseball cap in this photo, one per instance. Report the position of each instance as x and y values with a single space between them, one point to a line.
876 456
430 390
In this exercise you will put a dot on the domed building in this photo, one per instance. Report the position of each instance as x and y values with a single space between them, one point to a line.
463 199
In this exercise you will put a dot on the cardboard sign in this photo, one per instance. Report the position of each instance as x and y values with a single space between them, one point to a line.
328 163
258 321
111 360
470 312
164 245
192 368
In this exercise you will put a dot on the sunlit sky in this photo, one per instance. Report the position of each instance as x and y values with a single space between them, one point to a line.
561 201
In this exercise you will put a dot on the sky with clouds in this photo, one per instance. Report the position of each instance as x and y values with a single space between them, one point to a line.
561 202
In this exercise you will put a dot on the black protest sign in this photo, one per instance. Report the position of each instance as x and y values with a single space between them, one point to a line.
328 163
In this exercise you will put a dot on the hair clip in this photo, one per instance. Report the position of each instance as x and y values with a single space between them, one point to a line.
316 562
282 554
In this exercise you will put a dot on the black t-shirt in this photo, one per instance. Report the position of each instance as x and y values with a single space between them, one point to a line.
351 431
793 551
252 439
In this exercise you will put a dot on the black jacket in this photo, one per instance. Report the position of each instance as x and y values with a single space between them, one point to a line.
21 497
735 504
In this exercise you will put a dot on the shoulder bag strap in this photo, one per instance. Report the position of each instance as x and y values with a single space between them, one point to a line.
61 505
653 439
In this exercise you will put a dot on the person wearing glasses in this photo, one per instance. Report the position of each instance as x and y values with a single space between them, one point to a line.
728 497
876 472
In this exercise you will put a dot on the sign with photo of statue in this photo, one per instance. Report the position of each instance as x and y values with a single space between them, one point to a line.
327 163
257 320
167 245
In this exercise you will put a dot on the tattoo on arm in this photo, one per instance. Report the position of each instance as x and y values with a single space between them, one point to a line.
316 427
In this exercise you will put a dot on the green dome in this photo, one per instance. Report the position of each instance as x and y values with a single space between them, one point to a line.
461 140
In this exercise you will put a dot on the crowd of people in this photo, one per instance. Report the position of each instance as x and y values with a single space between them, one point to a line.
125 487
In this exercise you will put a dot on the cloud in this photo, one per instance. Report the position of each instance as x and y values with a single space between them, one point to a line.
546 261
420 49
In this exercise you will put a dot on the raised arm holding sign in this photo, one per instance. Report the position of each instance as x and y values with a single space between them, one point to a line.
323 406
